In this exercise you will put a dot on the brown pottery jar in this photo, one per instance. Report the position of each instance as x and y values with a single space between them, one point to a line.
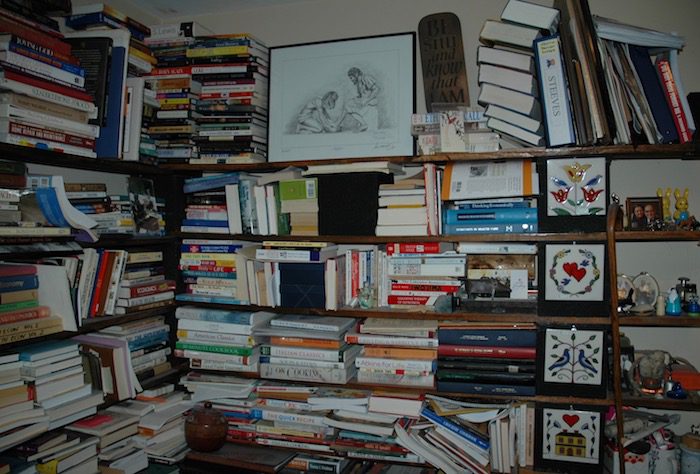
205 428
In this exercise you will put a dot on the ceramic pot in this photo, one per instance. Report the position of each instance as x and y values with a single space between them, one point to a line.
205 428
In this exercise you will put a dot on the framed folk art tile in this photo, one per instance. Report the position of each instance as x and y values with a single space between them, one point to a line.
569 438
573 279
572 361
577 194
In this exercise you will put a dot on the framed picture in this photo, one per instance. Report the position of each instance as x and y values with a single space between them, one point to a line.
642 212
573 279
577 194
342 99
568 438
572 361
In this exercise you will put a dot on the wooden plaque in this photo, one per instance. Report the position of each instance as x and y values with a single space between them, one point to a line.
442 59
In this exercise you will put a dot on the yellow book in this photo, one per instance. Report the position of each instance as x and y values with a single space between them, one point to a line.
217 51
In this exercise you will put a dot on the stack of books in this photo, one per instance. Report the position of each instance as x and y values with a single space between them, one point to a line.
148 346
497 216
152 294
21 316
299 199
409 206
308 349
214 339
102 15
509 88
488 358
111 431
53 372
43 100
207 203
20 419
232 104
419 275
396 352
108 356
43 447
77 455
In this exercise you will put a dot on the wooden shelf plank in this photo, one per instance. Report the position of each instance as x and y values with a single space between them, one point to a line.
660 321
656 236
690 404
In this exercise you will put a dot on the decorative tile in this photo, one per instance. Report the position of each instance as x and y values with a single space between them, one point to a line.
576 187
574 272
571 435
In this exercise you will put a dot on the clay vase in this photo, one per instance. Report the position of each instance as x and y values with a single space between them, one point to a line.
205 428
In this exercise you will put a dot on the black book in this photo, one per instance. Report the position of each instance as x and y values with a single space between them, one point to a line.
484 376
487 363
95 57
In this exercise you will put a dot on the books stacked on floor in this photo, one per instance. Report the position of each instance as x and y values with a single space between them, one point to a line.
148 346
509 88
490 216
211 273
308 349
214 339
142 285
299 199
20 420
409 206
420 275
396 352
54 373
40 449
43 100
486 358
77 453
21 315
232 122
453 131
207 204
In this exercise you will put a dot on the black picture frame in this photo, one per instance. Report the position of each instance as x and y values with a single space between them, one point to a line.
581 354
546 456
344 98
642 211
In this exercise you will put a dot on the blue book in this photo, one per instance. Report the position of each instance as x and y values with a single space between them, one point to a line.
18 282
109 143
81 22
148 342
47 349
216 315
460 216
486 389
488 337
205 183
45 58
208 248
209 299
202 273
648 76
494 228
205 222
493 205
473 438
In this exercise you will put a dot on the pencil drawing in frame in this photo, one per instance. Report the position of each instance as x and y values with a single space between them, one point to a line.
349 98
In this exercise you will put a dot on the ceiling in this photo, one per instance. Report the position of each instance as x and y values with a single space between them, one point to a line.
166 9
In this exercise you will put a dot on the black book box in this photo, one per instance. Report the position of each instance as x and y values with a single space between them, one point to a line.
347 202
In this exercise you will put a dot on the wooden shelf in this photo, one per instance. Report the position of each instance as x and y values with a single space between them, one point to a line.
371 239
686 151
656 236
65 160
660 321
692 403
130 240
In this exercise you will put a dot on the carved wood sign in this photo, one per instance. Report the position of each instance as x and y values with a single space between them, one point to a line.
442 60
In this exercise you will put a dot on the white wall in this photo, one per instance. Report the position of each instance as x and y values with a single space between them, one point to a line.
320 20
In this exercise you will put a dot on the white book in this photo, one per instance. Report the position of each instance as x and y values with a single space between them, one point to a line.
261 210
394 364
129 302
498 32
402 216
514 118
313 323
214 326
501 76
530 138
400 230
133 118
233 209
504 57
531 14
510 99
45 94
14 139
51 121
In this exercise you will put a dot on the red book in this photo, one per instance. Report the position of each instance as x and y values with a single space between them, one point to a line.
27 130
411 300
93 421
8 25
34 81
101 283
25 314
447 350
148 289
207 268
17 270
412 247
674 101
12 181
397 285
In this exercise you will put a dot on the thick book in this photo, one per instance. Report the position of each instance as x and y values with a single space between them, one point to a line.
487 337
505 352
484 376
531 14
524 82
509 228
485 388
465 216
519 102
673 98
506 58
512 34
554 92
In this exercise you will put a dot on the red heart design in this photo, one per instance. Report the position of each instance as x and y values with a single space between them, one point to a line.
570 420
572 269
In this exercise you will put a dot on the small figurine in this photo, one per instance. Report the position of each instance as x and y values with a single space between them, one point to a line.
666 202
681 213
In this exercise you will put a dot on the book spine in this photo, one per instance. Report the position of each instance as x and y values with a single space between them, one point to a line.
216 338
23 336
369 339
242 360
395 364
35 36
554 92
301 353
510 228
218 316
49 134
246 351
486 216
478 337
30 325
446 350
19 282
425 270
19 296
208 364
45 90
399 352
25 314
485 389
307 374
393 248
411 300
674 101
46 71
167 295
32 50
478 441
302 362
137 291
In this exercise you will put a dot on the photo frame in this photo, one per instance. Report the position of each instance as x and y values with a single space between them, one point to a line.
576 194
572 361
347 98
573 279
643 211
569 438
